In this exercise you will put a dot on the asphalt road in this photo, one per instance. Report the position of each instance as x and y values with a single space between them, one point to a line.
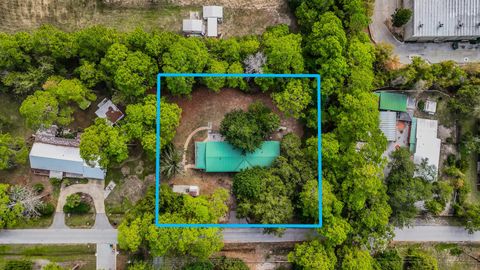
59 236
433 233
109 236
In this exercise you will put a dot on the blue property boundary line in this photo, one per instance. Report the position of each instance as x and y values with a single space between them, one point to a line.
157 159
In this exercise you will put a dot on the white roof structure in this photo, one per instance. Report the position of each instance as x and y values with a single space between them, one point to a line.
109 111
437 20
430 107
427 144
212 12
59 158
193 26
212 29
388 124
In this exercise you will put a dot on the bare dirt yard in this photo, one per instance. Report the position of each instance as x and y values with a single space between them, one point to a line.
206 106
241 17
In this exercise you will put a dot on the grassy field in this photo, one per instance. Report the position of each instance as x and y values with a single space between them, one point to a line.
449 256
66 255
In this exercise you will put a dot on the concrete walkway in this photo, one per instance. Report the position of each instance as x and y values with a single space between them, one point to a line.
106 257
187 142
432 52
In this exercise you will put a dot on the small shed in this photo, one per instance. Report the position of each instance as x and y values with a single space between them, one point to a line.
430 107
392 102
388 122
213 12
193 27
108 110
212 27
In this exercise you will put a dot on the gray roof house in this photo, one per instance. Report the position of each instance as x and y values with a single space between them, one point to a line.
213 12
443 20
60 157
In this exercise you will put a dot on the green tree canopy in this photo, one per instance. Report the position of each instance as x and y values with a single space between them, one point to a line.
313 255
9 214
401 17
103 144
13 151
247 130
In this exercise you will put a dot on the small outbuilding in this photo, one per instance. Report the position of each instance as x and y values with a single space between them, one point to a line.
430 107
193 27
212 27
213 12
109 111
392 102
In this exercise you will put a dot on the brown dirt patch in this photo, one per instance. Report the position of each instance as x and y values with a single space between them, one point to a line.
207 182
206 106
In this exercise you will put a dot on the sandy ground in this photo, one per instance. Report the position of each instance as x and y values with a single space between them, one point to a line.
260 256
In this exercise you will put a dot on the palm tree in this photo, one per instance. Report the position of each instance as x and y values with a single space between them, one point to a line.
170 161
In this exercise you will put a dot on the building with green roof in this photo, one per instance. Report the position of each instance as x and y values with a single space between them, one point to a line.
392 102
224 157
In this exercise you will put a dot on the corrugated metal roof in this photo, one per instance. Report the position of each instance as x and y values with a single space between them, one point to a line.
388 125
427 143
446 18
63 159
223 157
393 102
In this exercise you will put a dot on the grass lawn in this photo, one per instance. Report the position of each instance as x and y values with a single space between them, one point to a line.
41 222
447 254
471 173
66 255
80 221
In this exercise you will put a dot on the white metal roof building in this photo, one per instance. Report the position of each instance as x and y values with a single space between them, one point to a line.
443 20
388 124
427 144
193 26
212 28
60 159
213 12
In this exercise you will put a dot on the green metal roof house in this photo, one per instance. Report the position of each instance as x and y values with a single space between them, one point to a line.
392 102
223 157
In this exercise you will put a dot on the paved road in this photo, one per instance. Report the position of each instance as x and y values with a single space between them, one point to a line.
58 236
106 257
434 233
432 52
257 236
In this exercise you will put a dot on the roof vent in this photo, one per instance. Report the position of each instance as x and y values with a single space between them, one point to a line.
460 24
420 25
440 24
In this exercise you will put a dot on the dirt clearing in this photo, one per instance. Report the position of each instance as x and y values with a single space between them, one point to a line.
207 106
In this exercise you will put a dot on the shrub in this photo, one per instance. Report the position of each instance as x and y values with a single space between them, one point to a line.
19 265
389 260
421 105
419 260
401 17
56 182
224 263
199 266
38 187
47 209
75 205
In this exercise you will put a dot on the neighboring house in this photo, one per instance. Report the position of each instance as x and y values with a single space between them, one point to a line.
223 157
393 108
60 157
443 20
109 111
193 27
430 107
427 145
